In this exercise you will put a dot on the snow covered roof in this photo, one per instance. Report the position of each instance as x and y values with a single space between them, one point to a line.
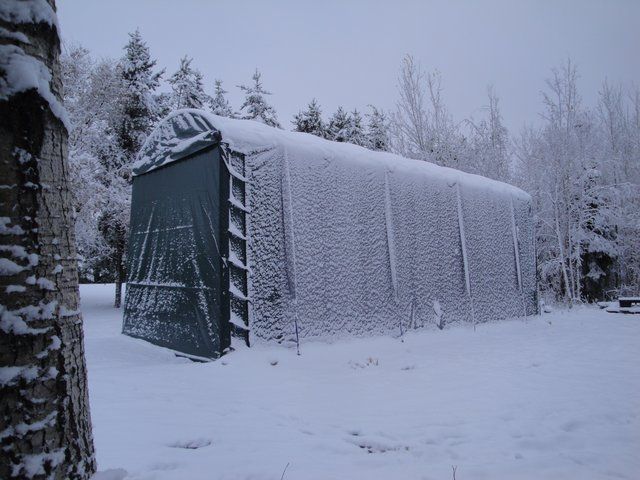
187 131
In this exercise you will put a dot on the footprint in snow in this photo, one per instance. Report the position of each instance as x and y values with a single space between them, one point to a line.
191 444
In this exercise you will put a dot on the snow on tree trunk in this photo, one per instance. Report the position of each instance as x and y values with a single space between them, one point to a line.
117 302
118 258
563 263
45 426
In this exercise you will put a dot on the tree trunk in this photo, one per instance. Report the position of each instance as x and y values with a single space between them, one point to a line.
119 264
568 292
118 298
45 427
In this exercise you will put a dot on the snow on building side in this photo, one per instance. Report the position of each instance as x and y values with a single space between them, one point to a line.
239 228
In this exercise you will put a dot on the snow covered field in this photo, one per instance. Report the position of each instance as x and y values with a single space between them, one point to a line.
551 397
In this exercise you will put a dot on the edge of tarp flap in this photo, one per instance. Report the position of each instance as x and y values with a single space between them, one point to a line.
177 137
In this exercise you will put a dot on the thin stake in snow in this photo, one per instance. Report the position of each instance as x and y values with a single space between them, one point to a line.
295 323
284 471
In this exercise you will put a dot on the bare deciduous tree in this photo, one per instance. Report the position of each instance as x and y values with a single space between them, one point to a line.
422 127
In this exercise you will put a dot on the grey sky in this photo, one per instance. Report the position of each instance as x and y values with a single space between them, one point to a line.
348 52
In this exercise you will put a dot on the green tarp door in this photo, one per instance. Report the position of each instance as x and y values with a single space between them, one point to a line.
175 283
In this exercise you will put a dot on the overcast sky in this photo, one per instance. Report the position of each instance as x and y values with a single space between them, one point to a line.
348 52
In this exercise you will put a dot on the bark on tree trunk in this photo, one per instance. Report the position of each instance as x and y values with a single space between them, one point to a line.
119 262
118 299
563 264
45 426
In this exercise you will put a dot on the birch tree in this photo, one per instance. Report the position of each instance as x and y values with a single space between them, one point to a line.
90 88
45 423
422 127
489 143
618 112
565 169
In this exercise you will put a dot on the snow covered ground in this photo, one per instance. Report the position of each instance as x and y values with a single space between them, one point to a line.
551 397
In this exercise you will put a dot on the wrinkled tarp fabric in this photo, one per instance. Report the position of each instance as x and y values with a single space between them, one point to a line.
342 250
346 241
174 289
184 135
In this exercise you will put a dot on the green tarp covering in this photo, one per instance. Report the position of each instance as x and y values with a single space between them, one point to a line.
175 272
178 136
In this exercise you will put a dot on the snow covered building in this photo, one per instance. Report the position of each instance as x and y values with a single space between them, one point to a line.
239 229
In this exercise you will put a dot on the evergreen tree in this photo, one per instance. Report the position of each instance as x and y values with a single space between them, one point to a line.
310 120
338 126
377 130
255 106
187 86
164 104
355 131
138 113
219 104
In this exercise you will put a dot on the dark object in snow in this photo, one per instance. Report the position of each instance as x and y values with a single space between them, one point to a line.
239 229
627 302
625 305
192 444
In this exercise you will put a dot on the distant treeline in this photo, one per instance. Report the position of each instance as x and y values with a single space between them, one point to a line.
581 166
